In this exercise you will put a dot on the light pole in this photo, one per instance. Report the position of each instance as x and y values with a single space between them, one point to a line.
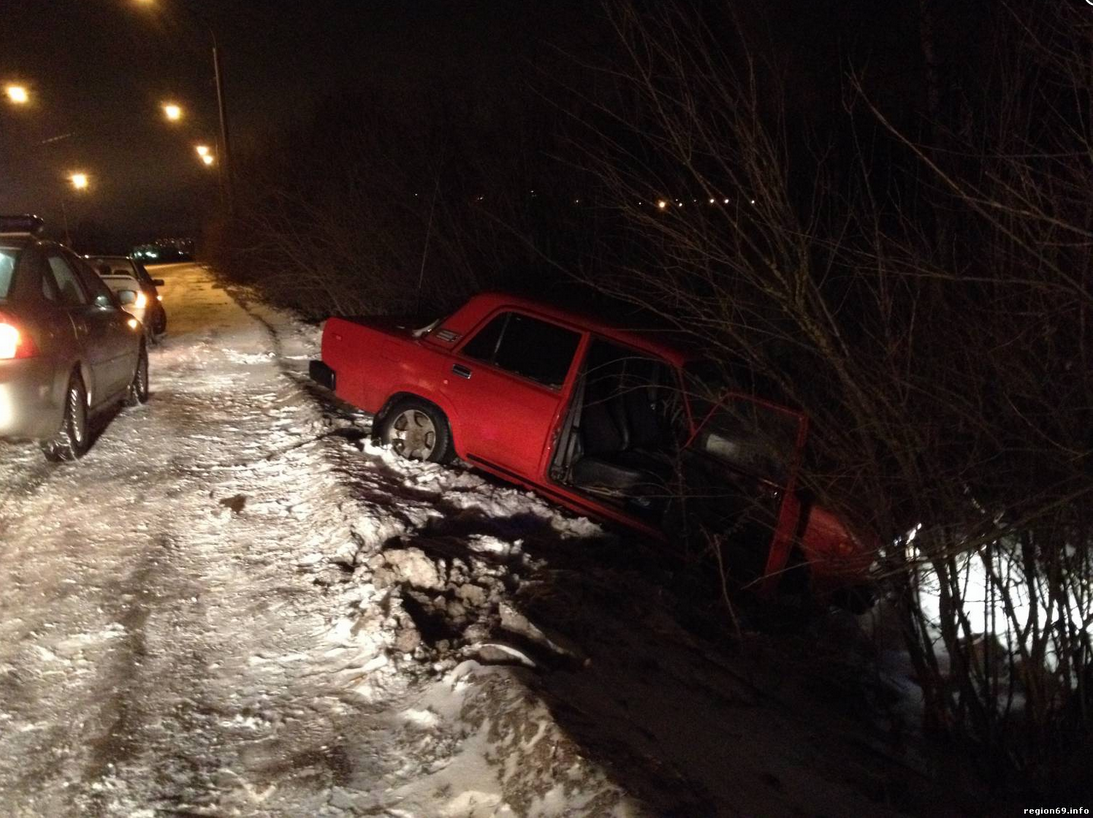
223 151
221 109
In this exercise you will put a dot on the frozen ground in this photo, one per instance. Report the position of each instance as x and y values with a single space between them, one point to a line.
236 605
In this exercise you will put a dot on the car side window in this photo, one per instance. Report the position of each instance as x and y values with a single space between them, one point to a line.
525 346
68 284
483 346
32 264
100 293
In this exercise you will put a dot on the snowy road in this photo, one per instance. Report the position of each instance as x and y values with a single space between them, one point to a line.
182 630
152 643
235 605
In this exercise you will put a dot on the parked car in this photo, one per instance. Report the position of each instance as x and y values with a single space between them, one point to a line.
613 423
124 265
67 348
131 297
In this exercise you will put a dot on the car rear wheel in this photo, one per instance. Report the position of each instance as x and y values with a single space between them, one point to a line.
418 431
72 440
138 387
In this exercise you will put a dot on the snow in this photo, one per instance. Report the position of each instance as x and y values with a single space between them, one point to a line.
236 604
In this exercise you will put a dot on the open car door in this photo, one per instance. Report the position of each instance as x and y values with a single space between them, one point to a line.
739 473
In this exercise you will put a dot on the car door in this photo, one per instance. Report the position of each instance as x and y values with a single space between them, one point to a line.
507 382
121 338
93 331
740 478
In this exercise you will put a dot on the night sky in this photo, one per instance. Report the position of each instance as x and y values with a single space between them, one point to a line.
99 70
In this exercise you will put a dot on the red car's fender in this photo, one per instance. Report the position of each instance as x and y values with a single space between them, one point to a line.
399 391
837 557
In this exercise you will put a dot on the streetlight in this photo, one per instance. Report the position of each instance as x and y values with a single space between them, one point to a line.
223 149
79 182
17 94
208 159
202 150
172 111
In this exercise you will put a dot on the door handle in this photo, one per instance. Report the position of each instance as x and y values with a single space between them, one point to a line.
462 371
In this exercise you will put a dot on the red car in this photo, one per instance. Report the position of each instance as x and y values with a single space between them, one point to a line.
611 423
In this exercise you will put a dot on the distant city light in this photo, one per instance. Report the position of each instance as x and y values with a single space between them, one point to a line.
202 150
713 201
207 158
662 204
79 181
18 94
173 112
726 201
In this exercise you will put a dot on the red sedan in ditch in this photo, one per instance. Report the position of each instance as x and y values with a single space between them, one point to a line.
611 423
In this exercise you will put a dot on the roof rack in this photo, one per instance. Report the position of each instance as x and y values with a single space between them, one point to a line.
24 225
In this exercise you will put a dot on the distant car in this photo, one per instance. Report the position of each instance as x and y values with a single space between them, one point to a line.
124 265
609 422
67 348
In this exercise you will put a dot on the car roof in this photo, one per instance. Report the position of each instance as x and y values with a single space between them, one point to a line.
648 341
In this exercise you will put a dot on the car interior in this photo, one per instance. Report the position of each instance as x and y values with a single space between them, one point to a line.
624 441
623 429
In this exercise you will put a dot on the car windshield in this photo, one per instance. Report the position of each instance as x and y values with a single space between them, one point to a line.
749 435
7 270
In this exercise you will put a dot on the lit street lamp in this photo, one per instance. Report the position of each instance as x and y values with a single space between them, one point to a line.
223 150
17 94
202 150
172 112
80 182
208 159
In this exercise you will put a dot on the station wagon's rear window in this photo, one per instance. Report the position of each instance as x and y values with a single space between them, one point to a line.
7 270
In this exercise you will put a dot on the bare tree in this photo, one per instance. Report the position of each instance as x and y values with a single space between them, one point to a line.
926 303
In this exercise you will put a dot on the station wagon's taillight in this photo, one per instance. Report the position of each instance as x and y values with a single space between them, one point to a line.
14 342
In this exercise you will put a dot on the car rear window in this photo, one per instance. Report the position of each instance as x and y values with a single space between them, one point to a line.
7 270
121 266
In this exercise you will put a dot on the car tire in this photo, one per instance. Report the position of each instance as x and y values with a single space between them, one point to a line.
73 438
417 430
137 393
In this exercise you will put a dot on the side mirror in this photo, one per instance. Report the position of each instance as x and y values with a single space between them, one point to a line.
104 301
127 297
157 282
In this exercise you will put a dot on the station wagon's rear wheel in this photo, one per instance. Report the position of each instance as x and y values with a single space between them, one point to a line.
138 387
417 430
72 439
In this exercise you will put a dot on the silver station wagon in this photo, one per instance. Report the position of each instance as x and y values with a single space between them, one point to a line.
67 348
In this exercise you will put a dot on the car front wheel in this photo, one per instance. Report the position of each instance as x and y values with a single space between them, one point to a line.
72 439
417 430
